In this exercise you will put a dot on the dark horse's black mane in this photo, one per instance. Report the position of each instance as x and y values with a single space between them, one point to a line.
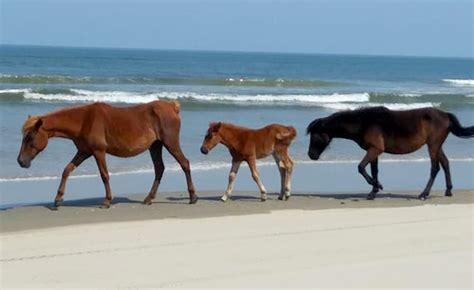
367 113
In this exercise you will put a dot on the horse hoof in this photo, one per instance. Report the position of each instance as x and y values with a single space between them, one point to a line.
371 197
57 203
422 197
287 197
380 186
105 206
280 197
147 201
448 193
263 199
193 199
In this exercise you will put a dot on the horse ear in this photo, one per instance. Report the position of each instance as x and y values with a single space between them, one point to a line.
214 126
29 116
313 126
38 124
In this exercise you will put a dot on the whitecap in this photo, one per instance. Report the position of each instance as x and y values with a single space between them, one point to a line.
460 82
392 106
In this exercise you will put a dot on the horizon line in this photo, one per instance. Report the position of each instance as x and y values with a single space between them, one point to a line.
237 51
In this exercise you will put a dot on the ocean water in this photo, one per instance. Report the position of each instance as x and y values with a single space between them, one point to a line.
250 89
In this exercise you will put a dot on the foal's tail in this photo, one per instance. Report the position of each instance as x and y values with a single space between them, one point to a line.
287 136
457 129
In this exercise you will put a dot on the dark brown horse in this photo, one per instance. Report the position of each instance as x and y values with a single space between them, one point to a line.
98 128
248 145
379 130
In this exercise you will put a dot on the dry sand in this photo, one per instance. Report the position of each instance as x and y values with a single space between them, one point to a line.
309 241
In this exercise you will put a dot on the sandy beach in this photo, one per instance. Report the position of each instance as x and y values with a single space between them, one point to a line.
117 100
309 241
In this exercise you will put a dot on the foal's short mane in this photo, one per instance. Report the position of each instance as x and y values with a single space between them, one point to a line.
234 126
229 125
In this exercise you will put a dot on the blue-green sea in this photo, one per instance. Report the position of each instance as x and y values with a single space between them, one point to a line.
250 89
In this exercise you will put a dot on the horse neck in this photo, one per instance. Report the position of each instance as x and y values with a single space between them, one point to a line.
228 138
340 128
64 123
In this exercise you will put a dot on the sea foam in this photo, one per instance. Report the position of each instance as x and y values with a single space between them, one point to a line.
459 82
392 106
77 95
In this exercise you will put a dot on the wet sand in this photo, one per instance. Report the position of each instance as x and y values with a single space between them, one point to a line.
175 205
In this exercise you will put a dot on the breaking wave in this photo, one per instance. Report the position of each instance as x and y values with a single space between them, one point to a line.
331 101
465 82
130 97
392 106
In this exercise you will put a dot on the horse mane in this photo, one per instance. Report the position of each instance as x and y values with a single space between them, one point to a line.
31 121
233 126
341 115
312 126
229 125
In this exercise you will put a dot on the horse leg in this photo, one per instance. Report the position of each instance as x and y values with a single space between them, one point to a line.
156 151
281 169
374 170
445 164
104 174
175 150
232 175
75 162
434 156
289 170
252 162
372 155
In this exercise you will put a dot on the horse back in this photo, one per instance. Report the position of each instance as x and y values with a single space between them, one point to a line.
274 135
406 131
127 131
414 122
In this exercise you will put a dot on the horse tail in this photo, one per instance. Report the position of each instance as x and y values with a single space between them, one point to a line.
457 129
177 106
287 136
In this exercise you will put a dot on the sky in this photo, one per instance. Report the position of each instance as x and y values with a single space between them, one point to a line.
366 27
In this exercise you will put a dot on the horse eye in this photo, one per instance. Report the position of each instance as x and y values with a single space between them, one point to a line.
28 138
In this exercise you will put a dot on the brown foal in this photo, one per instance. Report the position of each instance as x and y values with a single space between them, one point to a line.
248 145
98 128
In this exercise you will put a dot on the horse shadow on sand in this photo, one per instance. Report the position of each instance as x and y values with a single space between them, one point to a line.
97 202
274 196
217 198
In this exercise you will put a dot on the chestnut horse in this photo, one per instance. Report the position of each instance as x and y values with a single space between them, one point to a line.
98 128
248 145
379 129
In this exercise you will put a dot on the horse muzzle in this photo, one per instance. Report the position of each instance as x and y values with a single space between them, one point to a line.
204 150
313 155
24 164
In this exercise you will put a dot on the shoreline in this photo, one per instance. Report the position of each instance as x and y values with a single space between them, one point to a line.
175 206
307 178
